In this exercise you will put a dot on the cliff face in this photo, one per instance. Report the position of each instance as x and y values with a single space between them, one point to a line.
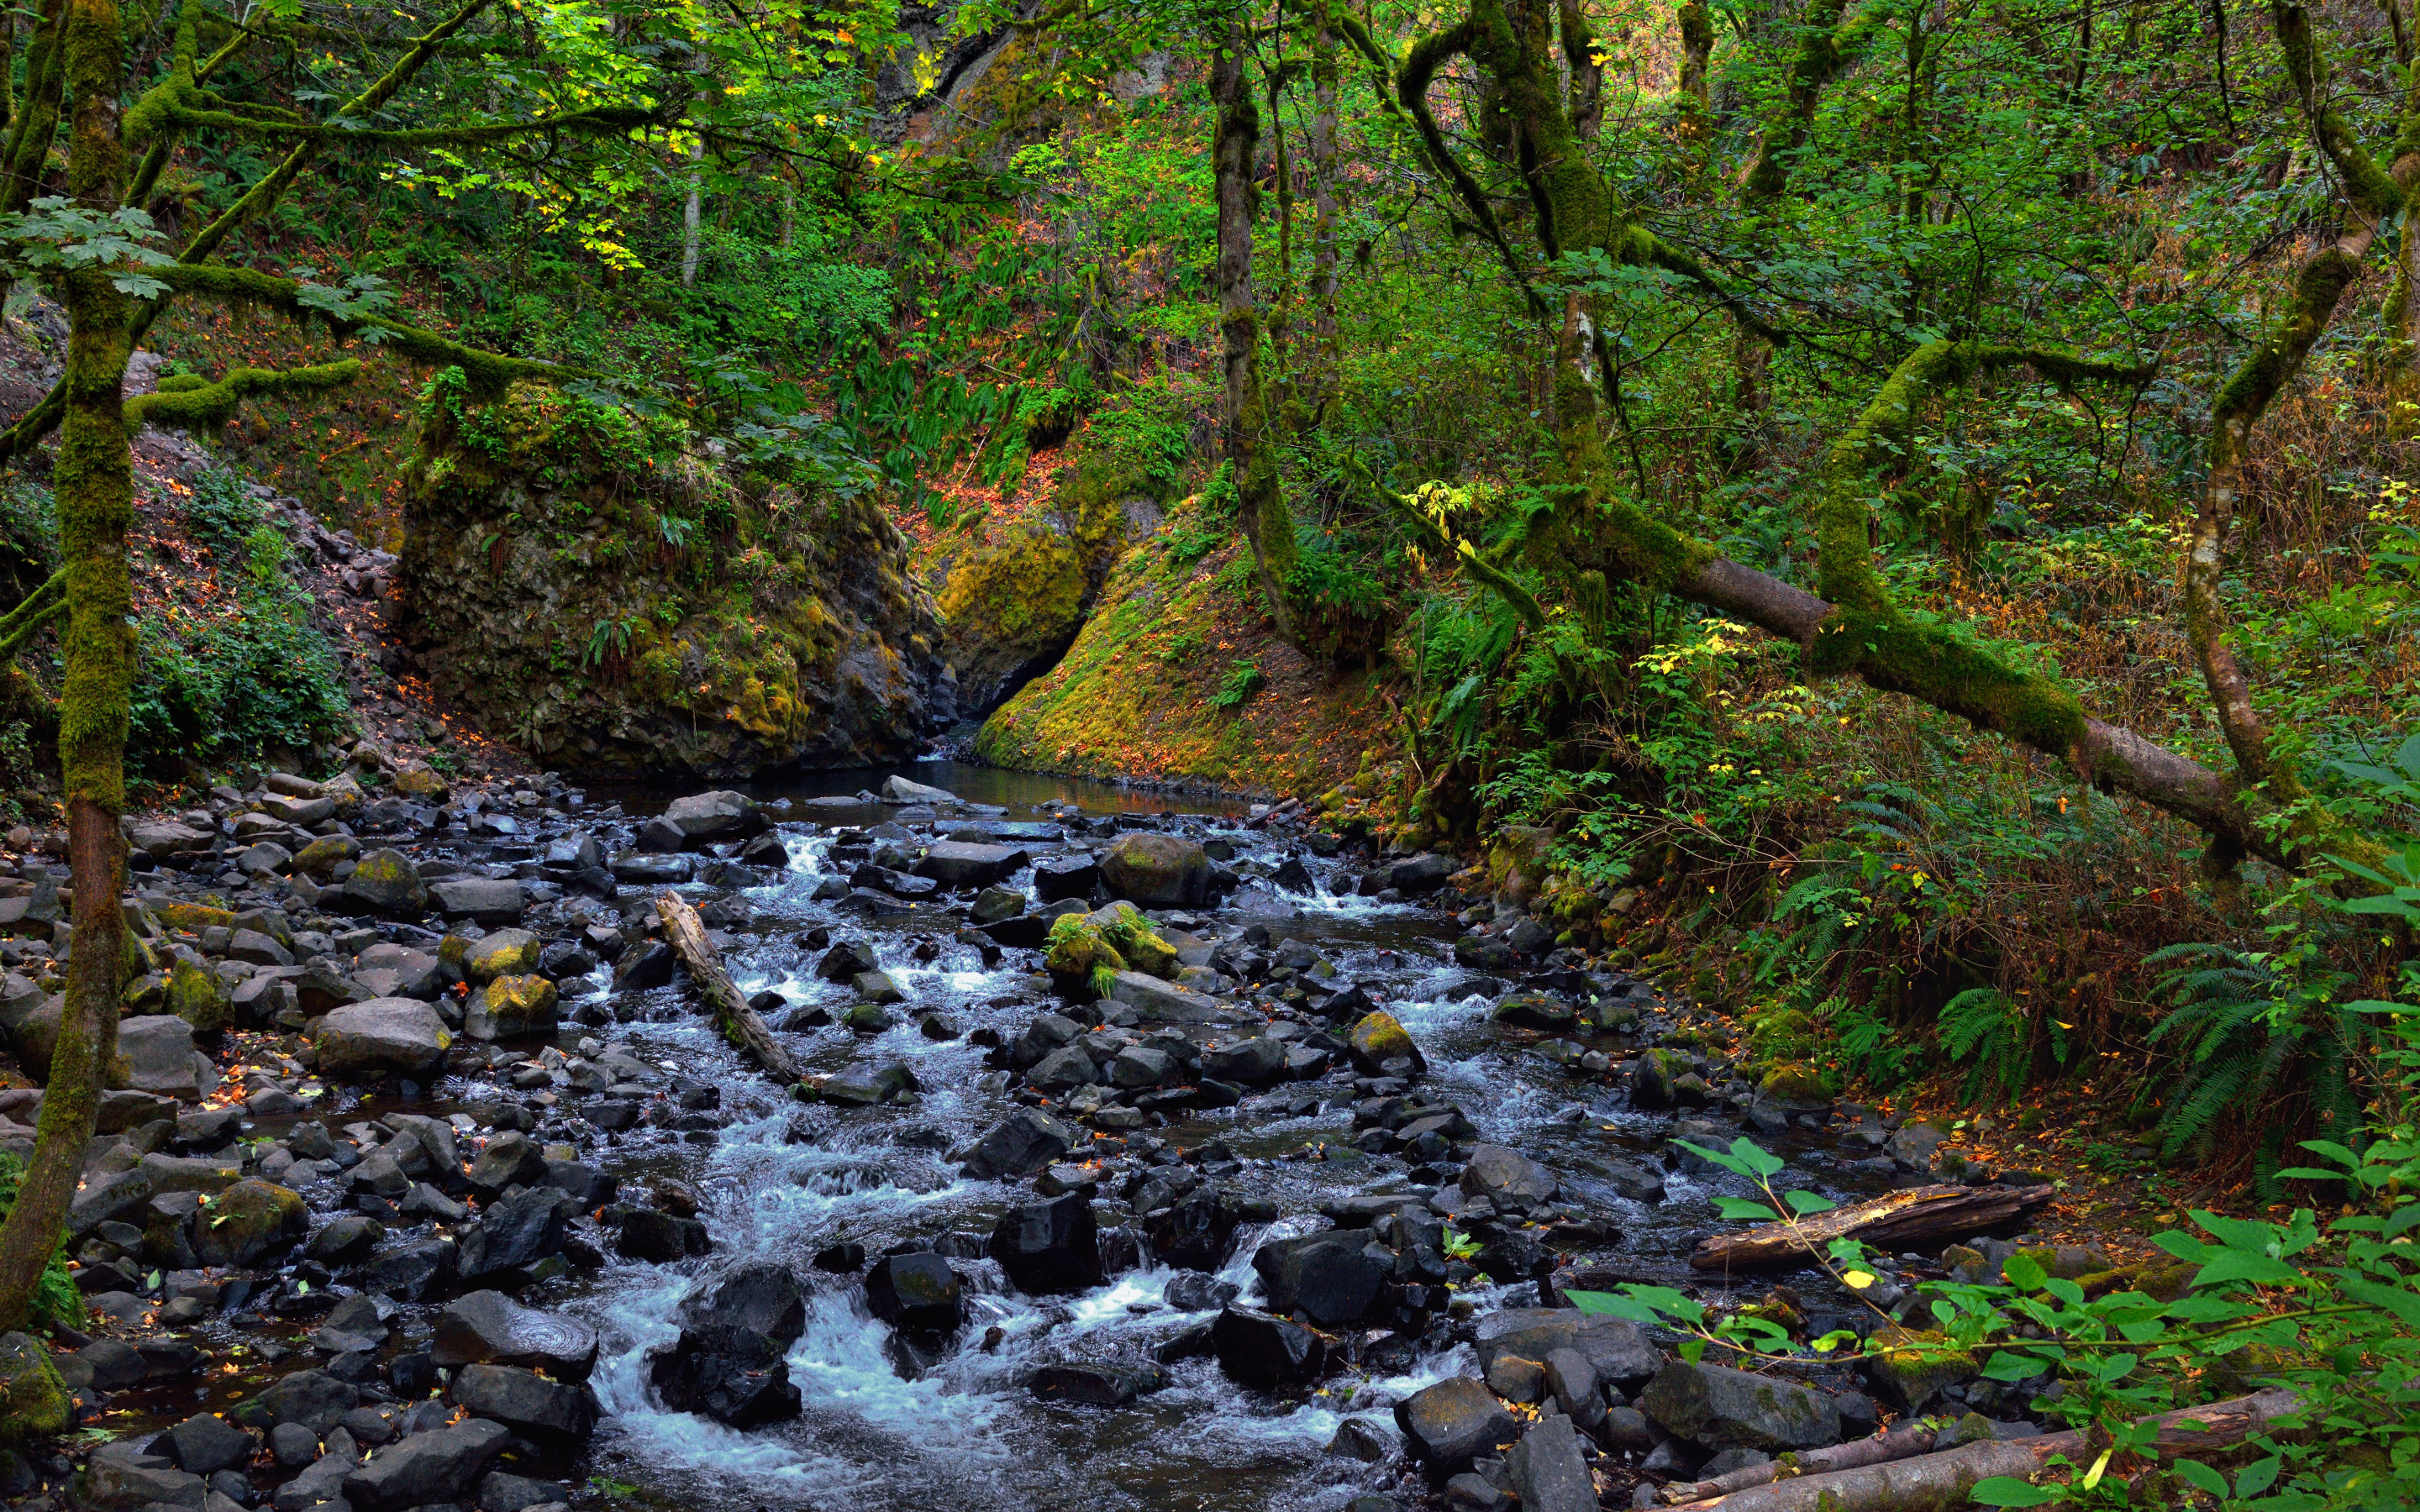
600 591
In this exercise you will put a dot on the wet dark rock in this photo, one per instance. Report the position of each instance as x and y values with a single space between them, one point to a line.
490 1328
1420 874
1326 1276
503 1493
652 1234
1448 1423
917 1293
1047 1247
645 964
845 1258
845 959
1192 1234
1059 877
866 1084
411 1270
1547 1470
527 1400
314 1398
1192 1291
347 1236
1096 1384
1019 1145
122 1477
1253 1062
513 1231
1265 1350
1514 1181
1358 1438
427 1468
1617 1350
1535 1011
203 1444
959 864
510 1159
1156 870
761 1296
1717 1406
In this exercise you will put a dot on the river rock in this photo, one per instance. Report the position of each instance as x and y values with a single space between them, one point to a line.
426 1469
1325 1275
1380 1046
397 1036
34 1398
1547 1470
203 1444
1619 1352
1059 877
382 883
1156 870
312 1398
526 1400
479 899
1155 1001
1719 1407
249 1222
1193 1233
657 1236
1514 1181
510 1159
158 1050
1261 1350
501 1492
734 1374
124 1476
761 1296
900 789
514 1231
962 864
916 1293
490 1328
1052 1247
1021 1143
511 1008
716 817
1448 1423
1096 1384
1253 1062
1420 874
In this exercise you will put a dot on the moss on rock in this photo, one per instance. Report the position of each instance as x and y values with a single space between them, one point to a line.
598 589
196 996
34 1400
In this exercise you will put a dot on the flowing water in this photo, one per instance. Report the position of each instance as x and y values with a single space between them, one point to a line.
783 1180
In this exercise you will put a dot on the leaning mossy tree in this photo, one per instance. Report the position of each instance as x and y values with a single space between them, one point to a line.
88 240
1579 223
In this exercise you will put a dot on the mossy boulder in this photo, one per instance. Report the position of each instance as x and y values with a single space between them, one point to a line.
507 952
1796 1085
34 1400
511 1008
1910 1369
420 781
196 996
385 883
1377 1038
612 595
320 858
248 1223
192 918
1087 950
1516 861
1156 870
1655 1080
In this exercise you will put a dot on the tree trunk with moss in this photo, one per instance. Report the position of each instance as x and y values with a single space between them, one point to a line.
93 483
1245 432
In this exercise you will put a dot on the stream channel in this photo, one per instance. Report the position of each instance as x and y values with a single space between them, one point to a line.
782 1182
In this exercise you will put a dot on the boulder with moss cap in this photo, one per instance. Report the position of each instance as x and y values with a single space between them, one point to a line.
1379 1039
34 1400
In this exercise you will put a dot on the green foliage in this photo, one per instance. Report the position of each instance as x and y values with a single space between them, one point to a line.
1243 680
57 1302
255 672
2331 1314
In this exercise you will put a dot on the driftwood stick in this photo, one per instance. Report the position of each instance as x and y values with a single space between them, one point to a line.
1916 1216
1903 1443
1942 1480
739 1022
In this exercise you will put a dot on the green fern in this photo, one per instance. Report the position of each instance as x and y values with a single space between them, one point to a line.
2241 1030
1986 1026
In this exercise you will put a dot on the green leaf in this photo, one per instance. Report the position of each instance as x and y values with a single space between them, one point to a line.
2258 1477
2237 1265
2007 1365
2006 1490
2024 1271
2064 1291
2203 1477
1758 1162
1741 1208
2401 1300
1804 1203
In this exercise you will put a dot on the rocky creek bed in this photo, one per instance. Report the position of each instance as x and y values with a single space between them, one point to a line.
1259 1182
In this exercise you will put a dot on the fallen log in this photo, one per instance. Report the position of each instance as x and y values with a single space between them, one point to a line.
1904 1442
1944 1479
1895 1219
739 1022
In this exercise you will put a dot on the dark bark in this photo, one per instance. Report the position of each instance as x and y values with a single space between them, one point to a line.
1898 1220
736 1022
1268 527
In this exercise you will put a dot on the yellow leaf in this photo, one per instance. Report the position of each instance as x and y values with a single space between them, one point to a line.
1857 1280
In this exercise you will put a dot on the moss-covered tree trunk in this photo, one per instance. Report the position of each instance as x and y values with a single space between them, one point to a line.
93 483
1245 439
1318 381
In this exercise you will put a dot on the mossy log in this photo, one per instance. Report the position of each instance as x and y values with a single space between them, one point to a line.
1944 1479
739 1024
1896 1220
